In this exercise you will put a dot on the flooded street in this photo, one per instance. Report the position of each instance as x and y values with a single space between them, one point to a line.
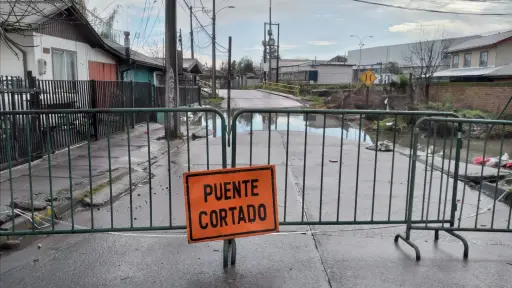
349 129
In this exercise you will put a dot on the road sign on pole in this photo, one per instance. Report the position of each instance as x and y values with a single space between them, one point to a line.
368 77
230 203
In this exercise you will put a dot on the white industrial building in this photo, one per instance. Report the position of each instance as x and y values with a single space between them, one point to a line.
310 71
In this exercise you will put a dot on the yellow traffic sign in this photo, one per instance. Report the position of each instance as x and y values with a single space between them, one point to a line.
368 77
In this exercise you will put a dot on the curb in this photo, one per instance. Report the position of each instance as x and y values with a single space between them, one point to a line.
282 95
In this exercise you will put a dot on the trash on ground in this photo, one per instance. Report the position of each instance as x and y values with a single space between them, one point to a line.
494 161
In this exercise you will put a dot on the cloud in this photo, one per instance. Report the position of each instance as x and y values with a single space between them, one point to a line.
321 43
281 47
452 27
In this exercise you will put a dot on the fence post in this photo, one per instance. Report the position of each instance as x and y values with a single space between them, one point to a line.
456 174
132 93
94 104
35 122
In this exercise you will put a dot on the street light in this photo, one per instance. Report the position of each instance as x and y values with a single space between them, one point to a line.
361 44
214 81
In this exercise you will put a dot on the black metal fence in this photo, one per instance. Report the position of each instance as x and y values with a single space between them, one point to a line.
18 94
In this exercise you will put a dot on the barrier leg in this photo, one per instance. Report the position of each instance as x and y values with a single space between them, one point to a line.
436 235
229 248
409 242
464 242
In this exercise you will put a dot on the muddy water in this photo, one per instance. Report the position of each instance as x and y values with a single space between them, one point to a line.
350 129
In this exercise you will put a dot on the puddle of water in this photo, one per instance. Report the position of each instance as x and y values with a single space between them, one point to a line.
279 122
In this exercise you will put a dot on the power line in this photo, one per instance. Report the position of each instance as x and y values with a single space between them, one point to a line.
200 24
154 23
431 10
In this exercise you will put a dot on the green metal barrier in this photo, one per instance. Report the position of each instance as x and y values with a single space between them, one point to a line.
351 198
489 214
75 175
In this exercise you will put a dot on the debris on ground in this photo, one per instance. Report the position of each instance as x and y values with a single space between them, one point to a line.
384 146
494 161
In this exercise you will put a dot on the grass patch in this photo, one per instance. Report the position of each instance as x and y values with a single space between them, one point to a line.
388 124
314 101
212 101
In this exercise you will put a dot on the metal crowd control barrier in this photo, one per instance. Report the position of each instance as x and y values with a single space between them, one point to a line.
96 173
464 181
285 88
333 179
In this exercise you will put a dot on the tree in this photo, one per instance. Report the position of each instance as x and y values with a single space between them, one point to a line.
245 65
392 68
425 58
234 67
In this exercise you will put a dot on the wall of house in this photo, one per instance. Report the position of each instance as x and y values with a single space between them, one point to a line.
12 65
504 53
139 74
334 74
491 97
475 57
84 54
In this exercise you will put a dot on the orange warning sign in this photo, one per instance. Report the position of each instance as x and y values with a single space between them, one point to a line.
230 203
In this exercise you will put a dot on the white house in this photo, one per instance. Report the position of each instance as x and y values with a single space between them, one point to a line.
61 46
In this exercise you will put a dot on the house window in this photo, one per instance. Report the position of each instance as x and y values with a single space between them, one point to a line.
455 61
64 65
467 60
159 79
483 58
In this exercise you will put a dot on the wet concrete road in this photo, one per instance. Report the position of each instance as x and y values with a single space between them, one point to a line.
257 99
300 256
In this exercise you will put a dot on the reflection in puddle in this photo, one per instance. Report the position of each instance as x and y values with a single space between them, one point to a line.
279 122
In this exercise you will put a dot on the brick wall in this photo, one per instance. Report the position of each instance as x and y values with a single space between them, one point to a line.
484 96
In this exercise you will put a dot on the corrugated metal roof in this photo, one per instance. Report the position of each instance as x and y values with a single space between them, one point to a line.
481 42
505 70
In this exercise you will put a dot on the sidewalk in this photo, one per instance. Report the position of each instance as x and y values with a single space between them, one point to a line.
69 180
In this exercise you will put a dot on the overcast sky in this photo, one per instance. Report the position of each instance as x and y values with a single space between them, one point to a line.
309 28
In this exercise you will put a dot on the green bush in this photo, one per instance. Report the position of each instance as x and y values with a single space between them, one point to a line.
473 114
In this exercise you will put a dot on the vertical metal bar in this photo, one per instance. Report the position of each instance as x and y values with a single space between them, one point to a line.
425 177
269 133
357 168
250 141
304 168
9 163
48 153
431 172
442 175
480 188
90 169
27 125
409 174
465 176
322 171
499 168
149 171
130 164
68 135
188 143
410 191
207 136
458 147
375 167
339 168
286 168
392 169
108 118
448 176
169 165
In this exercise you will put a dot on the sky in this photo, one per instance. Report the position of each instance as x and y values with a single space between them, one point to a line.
308 28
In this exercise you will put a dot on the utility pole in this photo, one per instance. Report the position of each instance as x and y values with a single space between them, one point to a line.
264 49
214 82
180 39
277 56
191 34
172 125
229 78
269 37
